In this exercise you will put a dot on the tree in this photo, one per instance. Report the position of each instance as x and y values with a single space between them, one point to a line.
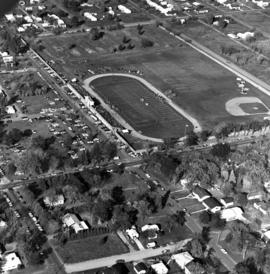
118 195
103 210
242 268
210 18
206 234
216 221
241 199
146 43
196 268
205 217
165 198
196 248
204 135
104 240
11 169
191 139
110 150
179 217
96 152
221 150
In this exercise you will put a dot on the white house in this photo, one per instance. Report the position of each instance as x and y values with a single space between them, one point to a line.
2 223
11 261
71 220
150 227
231 214
160 268
132 233
90 16
10 110
182 259
124 9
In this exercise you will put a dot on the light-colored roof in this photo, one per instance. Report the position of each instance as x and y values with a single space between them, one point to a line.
233 213
11 261
182 259
150 227
160 268
70 219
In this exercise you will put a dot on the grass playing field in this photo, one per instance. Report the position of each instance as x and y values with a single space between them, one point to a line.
140 107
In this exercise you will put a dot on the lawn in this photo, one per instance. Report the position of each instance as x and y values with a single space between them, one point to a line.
201 86
91 248
254 108
255 19
140 107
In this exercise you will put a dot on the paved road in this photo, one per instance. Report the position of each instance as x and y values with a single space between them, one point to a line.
30 180
127 257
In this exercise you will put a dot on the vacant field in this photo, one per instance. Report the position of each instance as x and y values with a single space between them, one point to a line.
255 19
140 107
81 45
91 248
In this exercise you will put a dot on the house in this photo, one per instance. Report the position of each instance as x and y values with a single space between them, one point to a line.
160 268
182 260
11 261
150 227
262 207
132 233
257 195
212 204
200 193
10 17
227 201
124 9
71 220
266 235
231 214
140 268
2 223
10 109
54 201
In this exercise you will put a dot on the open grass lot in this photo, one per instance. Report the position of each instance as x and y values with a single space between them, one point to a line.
201 86
243 57
256 19
83 45
91 248
151 117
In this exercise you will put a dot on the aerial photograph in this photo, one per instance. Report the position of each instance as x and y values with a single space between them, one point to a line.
135 136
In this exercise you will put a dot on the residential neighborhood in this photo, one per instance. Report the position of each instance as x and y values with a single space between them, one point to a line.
134 137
